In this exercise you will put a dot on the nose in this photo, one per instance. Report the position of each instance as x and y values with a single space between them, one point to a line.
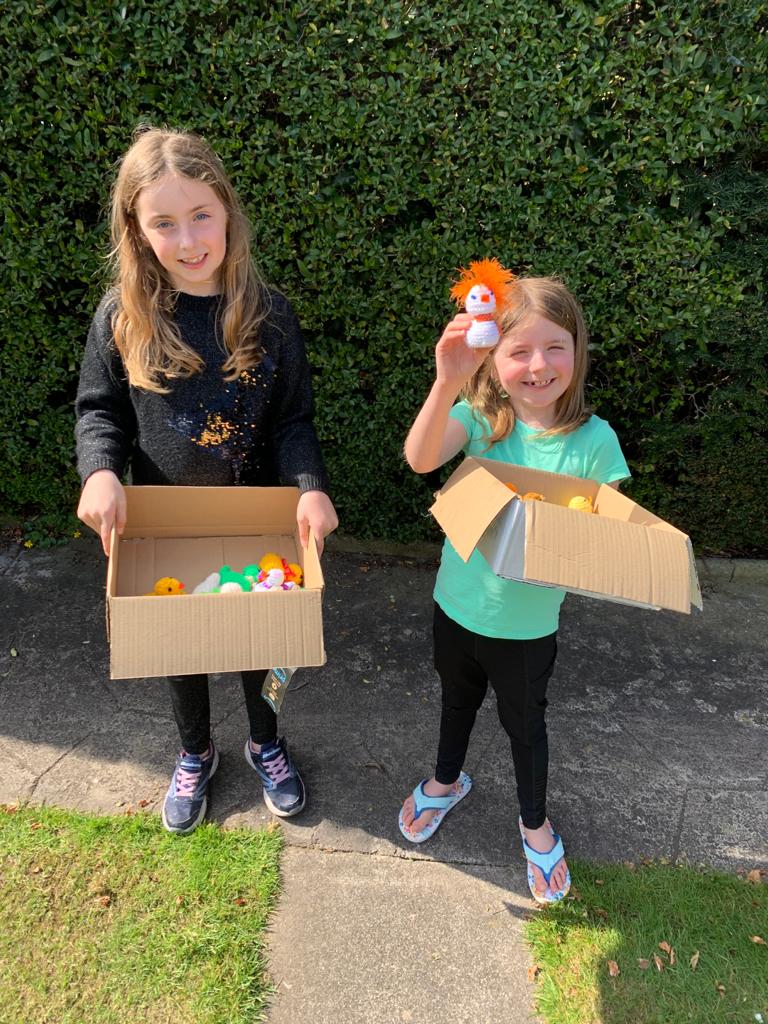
485 298
186 236
537 361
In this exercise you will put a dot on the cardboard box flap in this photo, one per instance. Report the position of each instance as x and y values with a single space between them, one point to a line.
208 511
557 488
470 500
596 554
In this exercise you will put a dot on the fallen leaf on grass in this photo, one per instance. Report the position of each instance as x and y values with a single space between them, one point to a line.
10 808
240 901
659 962
695 960
533 972
599 881
601 913
613 968
144 803
643 964
720 988
179 900
105 901
14 653
755 876
757 940
665 947
35 825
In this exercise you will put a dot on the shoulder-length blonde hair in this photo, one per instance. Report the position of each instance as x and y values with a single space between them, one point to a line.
534 296
149 342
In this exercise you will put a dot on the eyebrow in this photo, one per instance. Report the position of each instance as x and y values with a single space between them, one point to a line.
196 209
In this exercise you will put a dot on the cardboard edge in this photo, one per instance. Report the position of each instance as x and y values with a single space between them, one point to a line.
696 599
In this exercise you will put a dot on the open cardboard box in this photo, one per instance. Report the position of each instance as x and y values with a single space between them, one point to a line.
621 552
188 533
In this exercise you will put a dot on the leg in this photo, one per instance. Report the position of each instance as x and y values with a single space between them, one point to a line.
261 718
186 801
192 711
520 671
282 785
464 685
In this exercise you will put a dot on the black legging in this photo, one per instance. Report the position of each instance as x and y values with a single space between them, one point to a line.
192 710
518 671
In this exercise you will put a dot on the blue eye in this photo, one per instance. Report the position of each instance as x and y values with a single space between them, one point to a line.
202 216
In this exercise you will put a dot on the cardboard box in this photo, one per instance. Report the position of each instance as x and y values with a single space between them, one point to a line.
188 533
621 552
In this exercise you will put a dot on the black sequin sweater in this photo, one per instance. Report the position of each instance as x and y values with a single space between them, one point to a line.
256 430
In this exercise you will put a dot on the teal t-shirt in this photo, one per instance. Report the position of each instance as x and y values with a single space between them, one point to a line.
469 592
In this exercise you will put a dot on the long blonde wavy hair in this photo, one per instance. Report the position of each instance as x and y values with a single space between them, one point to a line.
147 339
534 296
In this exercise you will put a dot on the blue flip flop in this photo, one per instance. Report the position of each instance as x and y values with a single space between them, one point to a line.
442 804
546 862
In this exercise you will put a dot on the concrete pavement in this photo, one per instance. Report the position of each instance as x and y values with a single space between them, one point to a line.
658 727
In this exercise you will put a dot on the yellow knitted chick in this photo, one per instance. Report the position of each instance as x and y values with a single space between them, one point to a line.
581 504
166 586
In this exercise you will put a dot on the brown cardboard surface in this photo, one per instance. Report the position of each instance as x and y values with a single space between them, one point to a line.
188 533
622 552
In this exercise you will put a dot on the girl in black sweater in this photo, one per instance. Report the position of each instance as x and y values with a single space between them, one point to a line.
195 373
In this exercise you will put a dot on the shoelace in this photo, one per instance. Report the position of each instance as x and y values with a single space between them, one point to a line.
277 767
187 780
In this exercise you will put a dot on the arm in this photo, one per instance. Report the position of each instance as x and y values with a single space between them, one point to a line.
296 448
434 437
105 430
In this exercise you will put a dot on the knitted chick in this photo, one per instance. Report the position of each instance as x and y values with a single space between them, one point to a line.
166 586
533 496
484 290
581 504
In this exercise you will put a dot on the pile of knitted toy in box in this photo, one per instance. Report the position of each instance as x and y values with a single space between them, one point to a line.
271 572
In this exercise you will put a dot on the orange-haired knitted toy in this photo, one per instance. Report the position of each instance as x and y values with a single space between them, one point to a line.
484 289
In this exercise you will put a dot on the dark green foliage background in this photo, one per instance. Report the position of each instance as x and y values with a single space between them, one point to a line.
378 147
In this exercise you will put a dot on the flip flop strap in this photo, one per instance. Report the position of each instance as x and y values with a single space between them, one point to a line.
546 862
424 802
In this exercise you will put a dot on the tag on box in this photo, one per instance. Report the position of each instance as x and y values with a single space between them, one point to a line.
276 686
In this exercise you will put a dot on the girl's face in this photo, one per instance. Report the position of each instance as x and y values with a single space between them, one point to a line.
185 224
534 364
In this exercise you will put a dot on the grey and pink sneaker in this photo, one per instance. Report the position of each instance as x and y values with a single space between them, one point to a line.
187 798
284 792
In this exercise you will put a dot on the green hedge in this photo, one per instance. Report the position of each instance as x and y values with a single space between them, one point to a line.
378 146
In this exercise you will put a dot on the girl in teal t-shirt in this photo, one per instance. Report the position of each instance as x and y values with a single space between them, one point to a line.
522 402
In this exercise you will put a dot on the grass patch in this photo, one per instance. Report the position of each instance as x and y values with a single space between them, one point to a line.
112 919
683 941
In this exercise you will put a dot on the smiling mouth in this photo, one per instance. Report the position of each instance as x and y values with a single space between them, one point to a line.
538 383
194 262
